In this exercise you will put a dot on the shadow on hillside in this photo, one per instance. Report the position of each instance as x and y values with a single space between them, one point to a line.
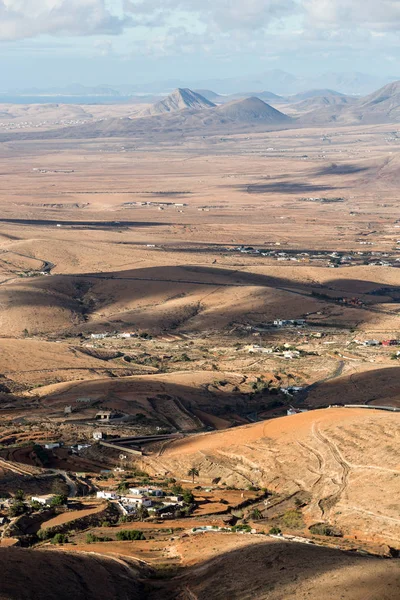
166 298
285 188
33 574
277 570
377 387
341 169
227 396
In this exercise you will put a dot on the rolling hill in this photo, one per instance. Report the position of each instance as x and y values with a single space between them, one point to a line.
28 574
251 110
276 570
346 460
182 114
383 106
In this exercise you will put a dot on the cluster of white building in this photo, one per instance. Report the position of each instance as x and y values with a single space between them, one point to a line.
116 336
146 497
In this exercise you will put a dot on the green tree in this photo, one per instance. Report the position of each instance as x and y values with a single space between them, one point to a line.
256 514
193 472
129 534
60 500
188 497
60 538
19 495
123 486
17 508
43 534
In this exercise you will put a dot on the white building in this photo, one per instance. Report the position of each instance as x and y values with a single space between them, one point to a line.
97 435
135 500
43 500
149 491
107 495
52 446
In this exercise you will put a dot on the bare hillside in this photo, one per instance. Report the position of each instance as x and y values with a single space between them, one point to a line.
33 574
346 459
277 570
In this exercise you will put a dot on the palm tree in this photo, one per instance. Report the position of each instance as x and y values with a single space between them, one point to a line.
193 472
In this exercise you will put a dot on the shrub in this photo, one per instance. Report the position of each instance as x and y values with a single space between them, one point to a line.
19 495
43 534
59 500
292 519
326 530
188 497
60 538
17 508
244 527
274 531
130 535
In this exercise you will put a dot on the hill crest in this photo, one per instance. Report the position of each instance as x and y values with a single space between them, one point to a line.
180 99
252 109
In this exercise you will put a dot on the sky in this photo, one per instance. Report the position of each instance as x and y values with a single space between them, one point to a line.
48 43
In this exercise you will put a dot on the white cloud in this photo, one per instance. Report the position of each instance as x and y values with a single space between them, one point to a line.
220 26
224 15
21 19
349 14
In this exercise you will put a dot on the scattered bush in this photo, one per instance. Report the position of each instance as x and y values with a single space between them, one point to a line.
91 538
60 538
130 535
275 531
326 530
244 527
292 519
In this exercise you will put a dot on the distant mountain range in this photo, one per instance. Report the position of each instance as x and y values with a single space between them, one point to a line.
188 113
277 81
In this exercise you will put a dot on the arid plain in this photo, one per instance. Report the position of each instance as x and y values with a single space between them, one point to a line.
189 285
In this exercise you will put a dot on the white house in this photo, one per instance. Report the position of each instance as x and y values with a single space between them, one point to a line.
108 495
295 411
97 435
290 355
44 500
146 491
138 491
135 500
52 446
